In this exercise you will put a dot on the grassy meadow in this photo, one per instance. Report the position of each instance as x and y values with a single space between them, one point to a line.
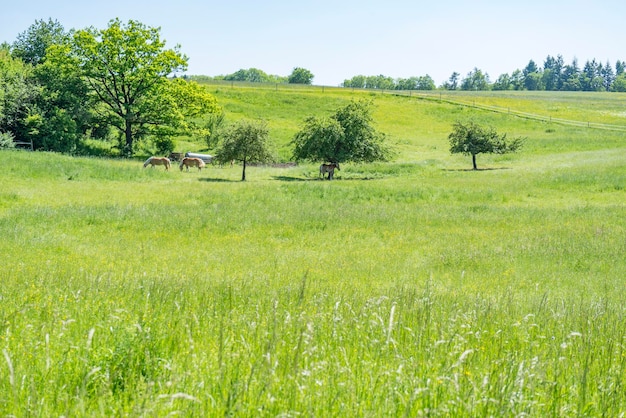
411 288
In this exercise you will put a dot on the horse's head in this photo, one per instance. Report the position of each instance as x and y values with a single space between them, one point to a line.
337 165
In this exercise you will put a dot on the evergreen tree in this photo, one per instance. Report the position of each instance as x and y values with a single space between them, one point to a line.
608 77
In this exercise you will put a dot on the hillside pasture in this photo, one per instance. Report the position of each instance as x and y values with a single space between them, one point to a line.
409 288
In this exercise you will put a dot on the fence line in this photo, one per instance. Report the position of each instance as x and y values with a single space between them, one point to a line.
422 95
518 113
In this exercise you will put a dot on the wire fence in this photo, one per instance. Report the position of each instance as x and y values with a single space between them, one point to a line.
433 95
506 110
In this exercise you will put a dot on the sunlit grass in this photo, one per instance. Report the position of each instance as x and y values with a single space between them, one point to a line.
417 287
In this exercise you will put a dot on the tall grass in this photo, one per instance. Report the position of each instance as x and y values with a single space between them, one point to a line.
407 289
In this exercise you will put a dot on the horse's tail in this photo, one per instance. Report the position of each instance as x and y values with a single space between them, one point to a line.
182 163
168 163
145 164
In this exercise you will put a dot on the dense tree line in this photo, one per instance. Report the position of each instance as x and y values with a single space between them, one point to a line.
387 83
64 90
299 75
555 75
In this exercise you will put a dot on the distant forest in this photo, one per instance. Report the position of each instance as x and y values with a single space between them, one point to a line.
554 75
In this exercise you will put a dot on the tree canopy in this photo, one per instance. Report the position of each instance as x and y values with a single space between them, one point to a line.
473 139
347 135
300 76
126 69
32 44
253 75
18 94
246 141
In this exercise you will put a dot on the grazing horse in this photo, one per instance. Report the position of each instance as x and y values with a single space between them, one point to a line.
191 162
157 161
330 169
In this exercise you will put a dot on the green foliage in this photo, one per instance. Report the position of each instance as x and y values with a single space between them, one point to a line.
300 76
620 83
387 83
56 132
473 139
214 124
348 135
475 80
66 112
32 45
317 140
126 68
18 95
246 141
6 140
164 145
254 75
188 103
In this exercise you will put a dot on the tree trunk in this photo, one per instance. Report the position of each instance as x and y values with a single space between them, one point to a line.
243 173
474 161
128 134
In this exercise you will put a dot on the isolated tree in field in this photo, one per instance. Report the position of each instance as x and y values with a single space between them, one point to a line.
246 141
126 68
473 139
300 76
347 135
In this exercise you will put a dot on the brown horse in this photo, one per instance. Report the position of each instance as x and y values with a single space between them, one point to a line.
330 169
191 162
157 161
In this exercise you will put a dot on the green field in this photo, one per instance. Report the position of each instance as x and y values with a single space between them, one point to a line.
411 288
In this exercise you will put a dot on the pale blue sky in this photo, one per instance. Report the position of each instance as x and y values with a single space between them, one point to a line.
337 40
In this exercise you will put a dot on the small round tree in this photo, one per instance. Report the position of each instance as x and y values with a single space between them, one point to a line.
300 76
473 139
246 141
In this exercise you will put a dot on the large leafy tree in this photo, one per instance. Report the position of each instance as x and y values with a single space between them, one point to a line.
126 68
246 141
348 135
473 139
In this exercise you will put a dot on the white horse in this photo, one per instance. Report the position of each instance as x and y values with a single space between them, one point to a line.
330 169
